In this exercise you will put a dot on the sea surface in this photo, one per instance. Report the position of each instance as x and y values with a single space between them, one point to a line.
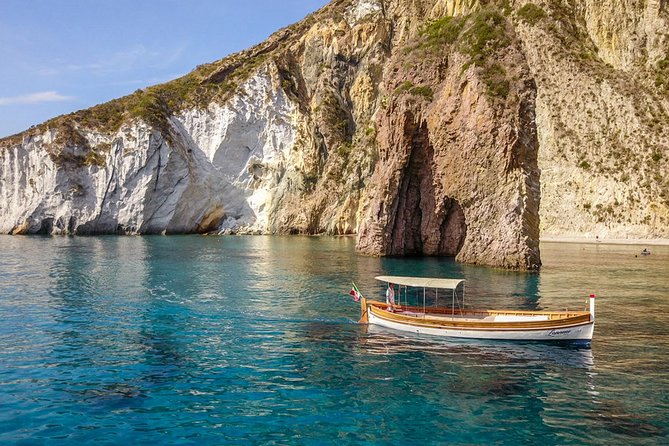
253 340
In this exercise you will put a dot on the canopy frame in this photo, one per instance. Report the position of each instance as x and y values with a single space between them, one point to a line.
422 282
425 283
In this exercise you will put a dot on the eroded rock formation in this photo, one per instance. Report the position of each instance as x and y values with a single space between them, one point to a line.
458 168
432 127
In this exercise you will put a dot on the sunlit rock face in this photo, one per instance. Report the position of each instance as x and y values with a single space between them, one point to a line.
602 75
458 172
433 127
213 170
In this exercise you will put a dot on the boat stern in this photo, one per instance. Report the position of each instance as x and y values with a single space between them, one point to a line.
592 307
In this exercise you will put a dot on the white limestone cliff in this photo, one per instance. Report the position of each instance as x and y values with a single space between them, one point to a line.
220 164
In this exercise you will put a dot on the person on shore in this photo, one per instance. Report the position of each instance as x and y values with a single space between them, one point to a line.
390 297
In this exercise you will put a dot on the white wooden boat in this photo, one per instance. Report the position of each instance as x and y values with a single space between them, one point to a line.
457 321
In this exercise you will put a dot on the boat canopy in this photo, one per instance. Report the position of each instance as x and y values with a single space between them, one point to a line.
423 282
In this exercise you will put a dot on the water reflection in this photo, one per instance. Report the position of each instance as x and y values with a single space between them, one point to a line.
615 418
95 332
488 352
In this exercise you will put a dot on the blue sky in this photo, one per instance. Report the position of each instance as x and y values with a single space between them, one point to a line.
59 56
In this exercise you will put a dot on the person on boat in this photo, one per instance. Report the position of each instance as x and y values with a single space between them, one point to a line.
645 252
390 297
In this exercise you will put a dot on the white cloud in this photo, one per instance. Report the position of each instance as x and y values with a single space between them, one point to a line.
35 98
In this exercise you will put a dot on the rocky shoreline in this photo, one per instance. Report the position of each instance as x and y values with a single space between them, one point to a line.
605 241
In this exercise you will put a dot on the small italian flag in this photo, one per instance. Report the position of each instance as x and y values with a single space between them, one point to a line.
355 293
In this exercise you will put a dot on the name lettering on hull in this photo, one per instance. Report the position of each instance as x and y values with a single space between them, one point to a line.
558 332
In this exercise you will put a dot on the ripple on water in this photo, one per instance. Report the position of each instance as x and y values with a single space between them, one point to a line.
253 340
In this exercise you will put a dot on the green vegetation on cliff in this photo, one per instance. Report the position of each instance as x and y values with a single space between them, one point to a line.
531 14
485 34
416 90
480 35
441 32
71 147
662 75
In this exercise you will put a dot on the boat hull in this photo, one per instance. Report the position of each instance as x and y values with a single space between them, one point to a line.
580 333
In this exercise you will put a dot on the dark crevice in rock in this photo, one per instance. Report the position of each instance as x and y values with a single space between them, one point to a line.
155 184
423 222
72 224
406 232
453 228
46 226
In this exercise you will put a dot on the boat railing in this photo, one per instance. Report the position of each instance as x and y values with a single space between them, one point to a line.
481 319
419 311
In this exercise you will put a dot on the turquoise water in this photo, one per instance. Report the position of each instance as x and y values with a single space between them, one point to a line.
253 340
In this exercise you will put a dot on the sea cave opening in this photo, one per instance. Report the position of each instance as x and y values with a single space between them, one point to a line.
427 222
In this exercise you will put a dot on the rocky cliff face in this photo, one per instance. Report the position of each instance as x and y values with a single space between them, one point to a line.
602 74
436 127
458 171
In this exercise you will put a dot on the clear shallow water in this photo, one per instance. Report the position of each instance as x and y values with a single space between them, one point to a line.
214 340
